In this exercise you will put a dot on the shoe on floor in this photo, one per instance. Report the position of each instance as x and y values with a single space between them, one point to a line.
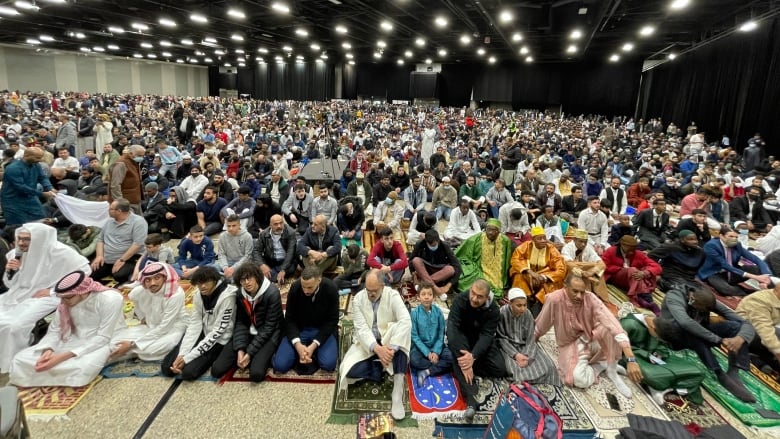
468 415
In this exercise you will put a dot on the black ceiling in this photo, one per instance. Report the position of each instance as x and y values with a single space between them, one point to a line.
545 27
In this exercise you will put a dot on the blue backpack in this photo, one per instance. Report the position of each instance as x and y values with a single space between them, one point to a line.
524 410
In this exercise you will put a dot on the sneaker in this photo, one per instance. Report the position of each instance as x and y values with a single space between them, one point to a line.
468 415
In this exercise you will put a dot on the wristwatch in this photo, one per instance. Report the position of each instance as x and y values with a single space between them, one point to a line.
631 359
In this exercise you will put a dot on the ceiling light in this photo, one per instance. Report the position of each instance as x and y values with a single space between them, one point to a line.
260 60
46 38
492 60
278 57
341 29
346 46
219 52
671 56
315 46
318 61
381 44
581 11
301 32
165 43
442 52
237 37
280 7
576 34
26 5
287 48
748 26
529 59
199 53
428 61
85 49
186 41
139 26
350 62
400 61
571 49
235 13
420 42
137 55
211 40
517 37
679 4
465 39
33 41
524 50
262 50
614 58
147 45
207 60
167 54
167 22
239 50
408 54
299 57
440 21
112 47
227 64
349 56
386 25
505 16
151 55
242 64
5 10
377 55
99 49
80 35
194 60
324 56
199 18
627 47
116 29
480 51
179 60
647 31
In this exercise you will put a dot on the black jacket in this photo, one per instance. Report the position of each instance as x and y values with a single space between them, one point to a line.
441 257
688 224
471 329
380 193
739 209
321 312
264 249
572 206
331 242
645 224
268 317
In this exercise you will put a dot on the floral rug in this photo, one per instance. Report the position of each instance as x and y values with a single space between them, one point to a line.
49 402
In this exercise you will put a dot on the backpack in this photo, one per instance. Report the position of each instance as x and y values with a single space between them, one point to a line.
524 412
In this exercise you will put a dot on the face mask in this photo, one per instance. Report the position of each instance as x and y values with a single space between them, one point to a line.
731 242
152 178
138 159
388 201
743 231
433 248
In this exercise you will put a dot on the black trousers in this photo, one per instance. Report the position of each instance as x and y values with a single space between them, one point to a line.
121 276
490 365
730 287
195 368
258 364
678 339
765 355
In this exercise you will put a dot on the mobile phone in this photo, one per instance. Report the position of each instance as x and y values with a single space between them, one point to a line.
614 404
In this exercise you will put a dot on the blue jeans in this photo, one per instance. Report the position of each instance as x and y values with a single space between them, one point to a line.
325 356
394 276
443 212
419 361
189 263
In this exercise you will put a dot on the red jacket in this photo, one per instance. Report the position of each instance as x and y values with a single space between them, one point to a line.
636 194
613 259
398 255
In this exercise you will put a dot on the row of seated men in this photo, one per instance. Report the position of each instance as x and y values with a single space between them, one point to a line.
580 319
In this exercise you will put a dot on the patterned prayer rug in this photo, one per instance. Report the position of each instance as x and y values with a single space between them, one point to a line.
575 422
363 396
319 377
49 402
439 396
687 413
594 399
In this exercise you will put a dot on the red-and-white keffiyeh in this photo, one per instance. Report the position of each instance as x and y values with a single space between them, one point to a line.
73 284
155 268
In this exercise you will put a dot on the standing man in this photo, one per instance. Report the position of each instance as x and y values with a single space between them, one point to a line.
185 127
86 137
471 331
66 134
20 194
124 177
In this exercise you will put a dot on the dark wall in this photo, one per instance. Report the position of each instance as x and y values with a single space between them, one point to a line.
731 86
277 81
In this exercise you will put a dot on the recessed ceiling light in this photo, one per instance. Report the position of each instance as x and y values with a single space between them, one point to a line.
99 49
524 50
341 29
280 7
227 64
386 25
400 61
116 29
381 44
262 50
46 38
529 59
139 26
576 34
318 61
679 4
179 60
211 40
299 57
517 37
237 37
187 42
5 10
480 51
26 5
349 56
465 39
440 21
647 31
80 35
748 26
671 56
33 41
346 46
377 55
278 57
208 60
442 52
287 48
193 60
146 45
420 42
301 32
165 43
315 46
219 52
199 18
151 55
112 47
167 54
167 22
492 60
428 61
235 13
137 55
239 50
408 54
260 60
627 47
242 64
351 62
614 58
324 56
505 16
571 49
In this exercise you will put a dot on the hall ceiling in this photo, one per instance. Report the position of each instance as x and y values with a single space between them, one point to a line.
471 31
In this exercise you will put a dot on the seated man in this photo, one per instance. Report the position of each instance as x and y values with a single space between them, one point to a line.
382 335
445 199
762 310
320 245
514 222
537 267
325 205
388 256
242 206
258 326
159 306
76 346
697 224
486 256
652 225
310 326
120 243
33 267
579 254
429 356
297 209
274 251
195 251
515 334
595 222
471 333
685 324
415 197
210 326
350 221
551 224
620 229
581 320
463 223
471 193
421 223
680 260
209 210
632 271
389 213
235 247
353 261
434 262
722 270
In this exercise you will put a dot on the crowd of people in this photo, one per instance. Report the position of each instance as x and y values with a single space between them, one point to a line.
520 221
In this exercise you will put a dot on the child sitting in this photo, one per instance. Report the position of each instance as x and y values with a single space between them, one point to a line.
428 356
153 252
353 259
620 229
196 250
83 239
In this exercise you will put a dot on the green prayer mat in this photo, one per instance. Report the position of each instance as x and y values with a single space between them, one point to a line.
767 398
363 396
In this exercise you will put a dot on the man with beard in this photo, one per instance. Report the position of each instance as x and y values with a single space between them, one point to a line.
20 195
350 220
297 209
208 211
631 270
275 251
722 271
680 260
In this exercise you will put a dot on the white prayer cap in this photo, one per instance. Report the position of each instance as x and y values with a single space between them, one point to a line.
516 293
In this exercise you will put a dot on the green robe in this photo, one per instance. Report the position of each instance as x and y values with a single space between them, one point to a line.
469 253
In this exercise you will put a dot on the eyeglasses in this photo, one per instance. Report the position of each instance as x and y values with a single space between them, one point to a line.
23 238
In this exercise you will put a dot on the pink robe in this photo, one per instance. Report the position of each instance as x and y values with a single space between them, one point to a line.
577 327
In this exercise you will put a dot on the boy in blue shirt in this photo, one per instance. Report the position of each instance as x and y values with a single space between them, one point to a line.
428 356
195 251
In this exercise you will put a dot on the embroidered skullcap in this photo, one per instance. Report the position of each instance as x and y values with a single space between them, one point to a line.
581 234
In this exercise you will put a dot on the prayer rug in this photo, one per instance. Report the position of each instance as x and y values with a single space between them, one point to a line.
682 410
363 396
594 399
140 369
619 296
49 402
576 424
439 396
319 377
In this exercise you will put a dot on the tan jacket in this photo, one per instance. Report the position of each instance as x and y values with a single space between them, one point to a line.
762 310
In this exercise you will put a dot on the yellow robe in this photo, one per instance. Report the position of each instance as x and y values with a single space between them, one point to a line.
551 265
